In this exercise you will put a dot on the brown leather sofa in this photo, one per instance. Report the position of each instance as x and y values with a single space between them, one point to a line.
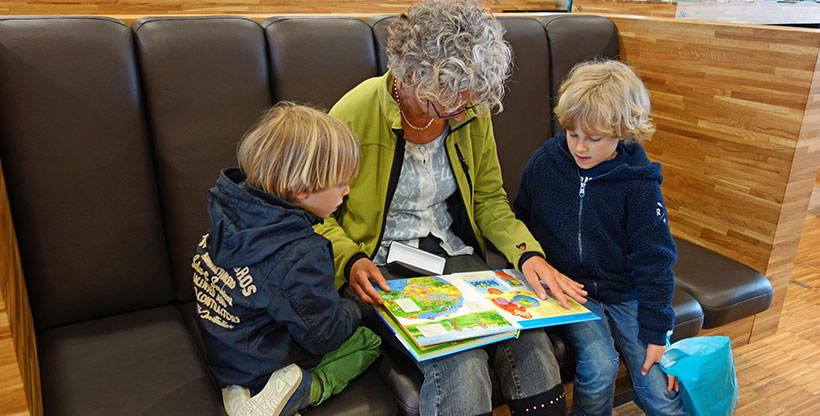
110 136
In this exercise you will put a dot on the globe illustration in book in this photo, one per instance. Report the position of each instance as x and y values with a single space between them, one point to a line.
432 310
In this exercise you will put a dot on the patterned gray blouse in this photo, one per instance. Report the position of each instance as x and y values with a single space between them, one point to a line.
418 207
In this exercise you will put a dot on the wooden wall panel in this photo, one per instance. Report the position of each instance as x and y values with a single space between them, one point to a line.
737 331
817 181
738 116
797 199
640 8
244 7
19 368
728 12
758 12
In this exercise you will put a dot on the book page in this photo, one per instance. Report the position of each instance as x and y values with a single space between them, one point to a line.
438 350
431 310
438 315
509 292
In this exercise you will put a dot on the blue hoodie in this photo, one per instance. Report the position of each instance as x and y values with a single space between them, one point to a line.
604 227
263 282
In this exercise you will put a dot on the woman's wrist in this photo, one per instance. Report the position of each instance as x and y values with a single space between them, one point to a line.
349 265
526 256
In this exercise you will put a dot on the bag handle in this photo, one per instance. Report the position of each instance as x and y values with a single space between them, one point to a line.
671 356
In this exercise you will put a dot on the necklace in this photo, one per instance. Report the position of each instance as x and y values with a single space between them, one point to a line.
398 100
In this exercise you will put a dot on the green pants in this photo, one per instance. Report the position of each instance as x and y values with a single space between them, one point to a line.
345 363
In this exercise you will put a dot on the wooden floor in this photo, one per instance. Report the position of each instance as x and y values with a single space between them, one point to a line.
780 375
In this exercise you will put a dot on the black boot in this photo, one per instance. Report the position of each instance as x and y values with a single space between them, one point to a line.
549 403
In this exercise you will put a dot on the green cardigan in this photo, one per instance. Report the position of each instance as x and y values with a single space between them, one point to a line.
480 208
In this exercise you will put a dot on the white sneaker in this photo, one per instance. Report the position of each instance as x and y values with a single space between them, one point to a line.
233 397
270 401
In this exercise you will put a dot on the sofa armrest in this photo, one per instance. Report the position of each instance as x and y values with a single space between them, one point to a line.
727 290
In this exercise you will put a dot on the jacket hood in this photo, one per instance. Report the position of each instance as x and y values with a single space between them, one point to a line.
242 216
631 162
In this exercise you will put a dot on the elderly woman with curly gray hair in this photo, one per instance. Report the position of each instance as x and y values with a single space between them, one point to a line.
430 178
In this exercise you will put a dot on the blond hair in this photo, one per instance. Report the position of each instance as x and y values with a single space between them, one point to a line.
605 97
293 149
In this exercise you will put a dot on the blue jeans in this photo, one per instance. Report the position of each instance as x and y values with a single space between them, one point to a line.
459 384
596 345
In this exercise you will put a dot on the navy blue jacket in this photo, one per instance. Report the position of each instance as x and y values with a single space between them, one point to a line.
604 227
263 282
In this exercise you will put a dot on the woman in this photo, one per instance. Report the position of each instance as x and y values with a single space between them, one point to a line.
430 177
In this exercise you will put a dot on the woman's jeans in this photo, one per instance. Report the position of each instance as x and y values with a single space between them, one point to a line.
595 343
459 384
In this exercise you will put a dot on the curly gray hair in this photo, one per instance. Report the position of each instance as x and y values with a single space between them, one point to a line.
442 48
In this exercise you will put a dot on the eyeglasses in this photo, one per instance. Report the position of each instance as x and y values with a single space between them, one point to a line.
467 107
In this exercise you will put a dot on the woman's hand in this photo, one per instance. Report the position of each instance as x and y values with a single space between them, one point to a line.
653 355
537 270
361 273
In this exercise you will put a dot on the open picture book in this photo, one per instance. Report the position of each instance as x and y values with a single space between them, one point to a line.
434 316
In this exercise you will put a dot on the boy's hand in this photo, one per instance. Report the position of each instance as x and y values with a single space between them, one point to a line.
537 270
653 355
361 273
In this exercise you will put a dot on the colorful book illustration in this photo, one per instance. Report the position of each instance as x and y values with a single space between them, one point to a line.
431 310
438 315
440 350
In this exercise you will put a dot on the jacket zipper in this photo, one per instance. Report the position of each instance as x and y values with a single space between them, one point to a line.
581 193
463 166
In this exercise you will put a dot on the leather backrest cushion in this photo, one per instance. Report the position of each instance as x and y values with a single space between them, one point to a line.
573 39
379 25
77 163
525 122
206 82
316 60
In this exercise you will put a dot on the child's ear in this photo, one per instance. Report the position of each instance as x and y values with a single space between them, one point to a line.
300 196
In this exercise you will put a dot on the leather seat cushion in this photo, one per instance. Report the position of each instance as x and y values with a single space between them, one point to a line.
365 395
402 377
727 290
135 363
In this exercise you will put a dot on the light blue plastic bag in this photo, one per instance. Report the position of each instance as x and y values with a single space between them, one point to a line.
705 368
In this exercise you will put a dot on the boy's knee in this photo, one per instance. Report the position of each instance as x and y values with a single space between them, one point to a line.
369 339
610 369
363 339
371 343
599 371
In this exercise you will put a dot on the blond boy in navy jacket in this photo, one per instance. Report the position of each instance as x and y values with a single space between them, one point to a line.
593 201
